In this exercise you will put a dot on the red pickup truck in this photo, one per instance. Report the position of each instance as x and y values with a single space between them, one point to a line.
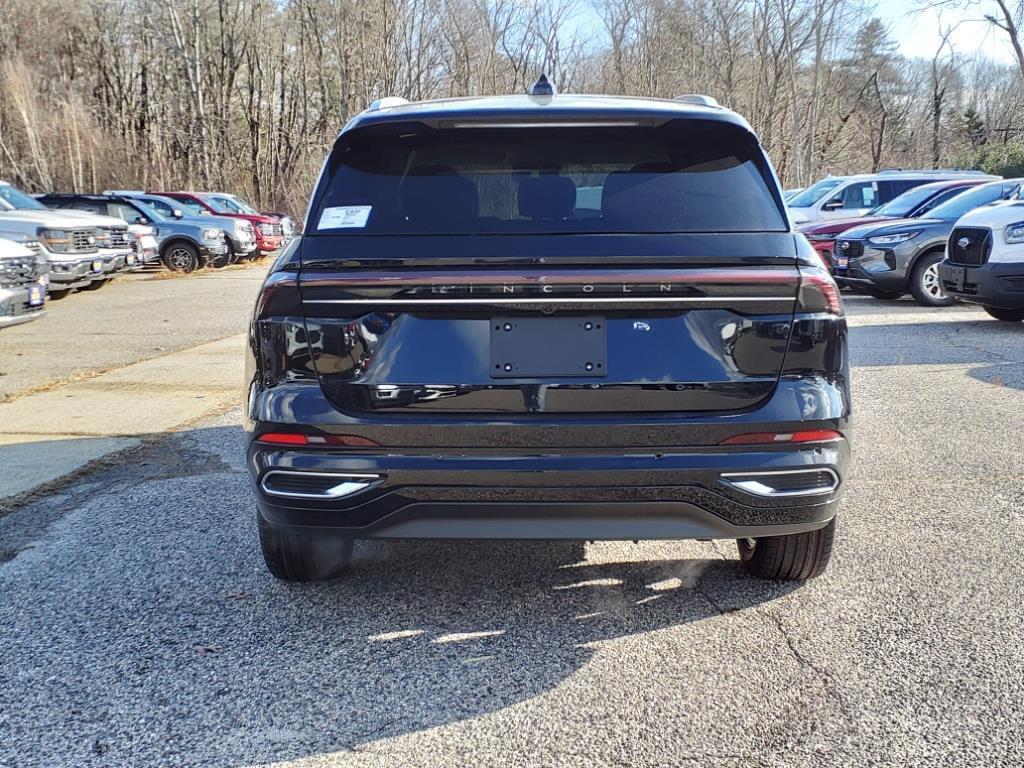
269 232
912 204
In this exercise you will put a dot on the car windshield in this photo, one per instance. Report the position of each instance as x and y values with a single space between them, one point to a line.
968 201
683 176
231 204
149 211
905 204
165 206
191 207
222 204
814 193
13 199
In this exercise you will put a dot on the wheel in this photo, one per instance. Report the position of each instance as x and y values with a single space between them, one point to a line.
788 558
181 257
298 558
60 293
875 293
95 285
925 284
221 261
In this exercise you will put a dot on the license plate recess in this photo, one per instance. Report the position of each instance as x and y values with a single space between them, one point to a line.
959 277
543 347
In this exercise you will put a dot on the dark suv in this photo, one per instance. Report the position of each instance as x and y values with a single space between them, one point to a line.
568 317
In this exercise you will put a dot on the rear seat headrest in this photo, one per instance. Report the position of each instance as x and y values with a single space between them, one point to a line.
546 197
636 196
435 196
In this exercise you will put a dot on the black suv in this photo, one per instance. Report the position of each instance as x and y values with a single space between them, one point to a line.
568 317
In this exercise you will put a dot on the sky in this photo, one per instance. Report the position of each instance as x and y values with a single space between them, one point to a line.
919 33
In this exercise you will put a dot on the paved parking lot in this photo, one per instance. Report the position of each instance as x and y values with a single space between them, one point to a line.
137 626
137 317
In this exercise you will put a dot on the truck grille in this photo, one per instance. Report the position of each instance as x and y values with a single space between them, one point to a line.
118 237
17 272
83 241
271 229
853 249
976 250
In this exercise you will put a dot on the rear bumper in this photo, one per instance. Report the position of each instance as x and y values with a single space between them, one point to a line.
571 494
999 285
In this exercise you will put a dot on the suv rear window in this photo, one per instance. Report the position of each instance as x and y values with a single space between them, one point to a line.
683 176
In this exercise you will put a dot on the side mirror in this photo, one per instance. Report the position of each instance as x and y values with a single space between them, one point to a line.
178 213
833 205
140 220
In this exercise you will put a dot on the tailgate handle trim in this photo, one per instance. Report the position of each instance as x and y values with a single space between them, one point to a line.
566 300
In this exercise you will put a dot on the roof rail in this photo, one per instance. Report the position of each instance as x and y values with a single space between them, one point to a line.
699 99
946 171
386 102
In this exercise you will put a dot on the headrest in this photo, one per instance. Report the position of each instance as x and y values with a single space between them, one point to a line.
547 197
434 196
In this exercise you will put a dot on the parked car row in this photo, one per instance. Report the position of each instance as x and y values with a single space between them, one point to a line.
55 243
939 240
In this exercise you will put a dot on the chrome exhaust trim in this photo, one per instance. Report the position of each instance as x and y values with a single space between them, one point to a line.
349 483
760 483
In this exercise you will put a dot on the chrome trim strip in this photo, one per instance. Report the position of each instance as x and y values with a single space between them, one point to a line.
346 488
567 300
762 489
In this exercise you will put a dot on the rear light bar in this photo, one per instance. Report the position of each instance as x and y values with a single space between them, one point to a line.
294 438
818 292
774 438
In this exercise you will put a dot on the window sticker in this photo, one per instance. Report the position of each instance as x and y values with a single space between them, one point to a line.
347 217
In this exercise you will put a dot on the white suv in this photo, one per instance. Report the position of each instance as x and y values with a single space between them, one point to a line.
984 261
850 196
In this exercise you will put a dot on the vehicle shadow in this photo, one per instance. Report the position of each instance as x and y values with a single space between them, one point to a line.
229 667
421 634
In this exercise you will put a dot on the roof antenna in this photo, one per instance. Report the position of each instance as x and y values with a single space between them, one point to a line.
542 88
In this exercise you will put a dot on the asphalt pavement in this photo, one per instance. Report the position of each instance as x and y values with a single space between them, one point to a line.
135 317
138 627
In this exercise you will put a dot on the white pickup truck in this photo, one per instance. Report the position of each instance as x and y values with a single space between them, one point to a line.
84 250
22 293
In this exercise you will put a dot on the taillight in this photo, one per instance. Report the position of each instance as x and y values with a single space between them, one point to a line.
775 438
818 292
292 438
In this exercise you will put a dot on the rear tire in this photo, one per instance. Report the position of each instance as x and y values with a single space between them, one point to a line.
925 284
795 557
1006 315
300 558
181 257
